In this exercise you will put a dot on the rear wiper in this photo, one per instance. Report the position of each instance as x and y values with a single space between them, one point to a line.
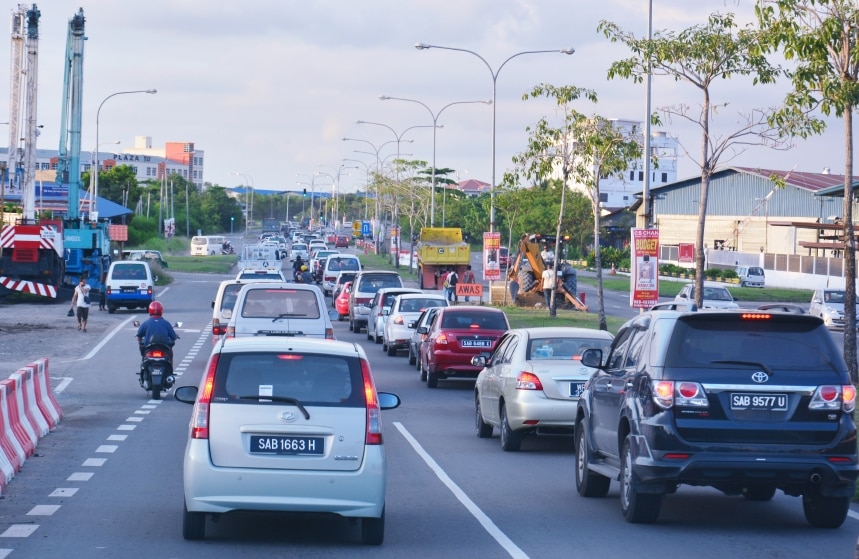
752 363
286 315
286 399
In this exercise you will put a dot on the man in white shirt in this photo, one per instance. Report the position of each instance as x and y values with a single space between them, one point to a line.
80 299
549 281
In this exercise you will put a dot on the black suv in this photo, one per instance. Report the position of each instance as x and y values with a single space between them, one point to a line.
746 402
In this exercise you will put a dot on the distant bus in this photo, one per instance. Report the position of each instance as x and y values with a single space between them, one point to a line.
205 245
270 224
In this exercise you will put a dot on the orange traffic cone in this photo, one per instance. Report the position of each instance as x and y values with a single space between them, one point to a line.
613 271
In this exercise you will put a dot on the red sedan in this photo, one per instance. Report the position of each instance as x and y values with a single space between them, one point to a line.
455 336
341 302
342 241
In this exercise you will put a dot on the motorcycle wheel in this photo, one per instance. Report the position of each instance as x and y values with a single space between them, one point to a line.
156 392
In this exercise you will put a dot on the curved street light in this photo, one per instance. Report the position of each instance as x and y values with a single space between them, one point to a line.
494 74
94 216
435 127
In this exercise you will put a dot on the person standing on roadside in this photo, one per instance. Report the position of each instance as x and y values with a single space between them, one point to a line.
452 280
549 281
80 301
468 278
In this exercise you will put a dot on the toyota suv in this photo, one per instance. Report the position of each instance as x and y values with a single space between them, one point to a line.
746 402
364 288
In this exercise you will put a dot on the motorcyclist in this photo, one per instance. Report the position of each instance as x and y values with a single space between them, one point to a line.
305 276
296 268
156 330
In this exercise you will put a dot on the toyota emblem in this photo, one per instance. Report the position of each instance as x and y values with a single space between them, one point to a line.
760 377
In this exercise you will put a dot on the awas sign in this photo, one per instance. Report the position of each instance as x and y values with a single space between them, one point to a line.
644 285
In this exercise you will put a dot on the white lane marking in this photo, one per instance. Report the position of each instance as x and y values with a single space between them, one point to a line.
117 437
43 510
63 492
134 419
80 476
64 382
106 339
475 511
19 530
148 407
853 515
95 462
4 553
143 412
126 428
107 448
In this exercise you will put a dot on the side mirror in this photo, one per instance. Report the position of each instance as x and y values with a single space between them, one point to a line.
136 323
186 394
177 325
478 361
213 304
386 311
411 324
592 358
423 330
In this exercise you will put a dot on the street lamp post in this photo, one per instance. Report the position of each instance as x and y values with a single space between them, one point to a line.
94 215
335 191
435 117
249 200
494 74
367 169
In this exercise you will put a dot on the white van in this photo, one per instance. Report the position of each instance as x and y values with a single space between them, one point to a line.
336 264
207 245
280 309
751 276
129 284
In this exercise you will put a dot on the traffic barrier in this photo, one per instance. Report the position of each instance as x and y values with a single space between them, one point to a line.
23 414
24 447
45 399
12 449
27 376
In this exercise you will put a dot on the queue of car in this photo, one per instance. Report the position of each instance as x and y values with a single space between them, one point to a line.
599 390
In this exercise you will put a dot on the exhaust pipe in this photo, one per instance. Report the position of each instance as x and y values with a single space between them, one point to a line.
815 478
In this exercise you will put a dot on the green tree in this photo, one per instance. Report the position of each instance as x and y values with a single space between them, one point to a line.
819 36
701 55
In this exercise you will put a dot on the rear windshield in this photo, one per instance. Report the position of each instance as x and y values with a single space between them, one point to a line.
778 344
564 348
341 264
231 293
481 320
373 283
311 379
389 298
129 272
280 303
417 305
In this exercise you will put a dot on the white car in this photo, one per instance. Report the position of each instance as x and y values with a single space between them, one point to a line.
261 274
225 299
334 266
280 310
532 382
715 296
404 311
828 304
299 249
380 308
286 427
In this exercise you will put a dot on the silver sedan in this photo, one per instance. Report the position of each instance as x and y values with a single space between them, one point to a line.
532 382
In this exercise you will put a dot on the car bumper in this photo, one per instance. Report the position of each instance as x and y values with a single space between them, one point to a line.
122 299
533 406
359 493
399 337
447 364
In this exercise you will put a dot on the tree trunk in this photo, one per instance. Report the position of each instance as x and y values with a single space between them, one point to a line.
849 250
706 171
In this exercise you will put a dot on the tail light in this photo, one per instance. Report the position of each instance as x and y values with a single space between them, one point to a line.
231 331
834 397
149 291
371 401
398 319
200 416
441 339
155 354
329 333
108 290
667 394
528 381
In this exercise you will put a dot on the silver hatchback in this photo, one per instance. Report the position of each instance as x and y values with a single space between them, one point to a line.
288 425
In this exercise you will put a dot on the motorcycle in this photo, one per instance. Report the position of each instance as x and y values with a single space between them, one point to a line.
156 367
228 249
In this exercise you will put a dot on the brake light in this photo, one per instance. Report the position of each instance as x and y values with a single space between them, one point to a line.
667 394
834 397
663 393
528 381
200 416
755 316
329 333
398 319
231 331
441 339
155 354
371 401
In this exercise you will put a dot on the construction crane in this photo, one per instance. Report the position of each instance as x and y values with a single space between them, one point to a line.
31 251
735 234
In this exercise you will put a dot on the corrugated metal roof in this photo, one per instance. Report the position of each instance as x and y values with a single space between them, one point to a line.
815 182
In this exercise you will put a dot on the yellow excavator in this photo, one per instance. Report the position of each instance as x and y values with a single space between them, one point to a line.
528 266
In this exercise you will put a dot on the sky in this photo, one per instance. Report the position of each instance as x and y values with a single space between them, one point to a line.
268 89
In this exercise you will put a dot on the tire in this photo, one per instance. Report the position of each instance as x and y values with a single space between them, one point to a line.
392 351
422 370
373 530
511 441
156 393
638 508
412 358
588 483
420 277
432 378
379 340
825 512
369 335
351 325
759 493
193 524
527 281
482 429
111 309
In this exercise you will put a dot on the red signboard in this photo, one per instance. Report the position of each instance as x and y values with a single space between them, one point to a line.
118 232
644 260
